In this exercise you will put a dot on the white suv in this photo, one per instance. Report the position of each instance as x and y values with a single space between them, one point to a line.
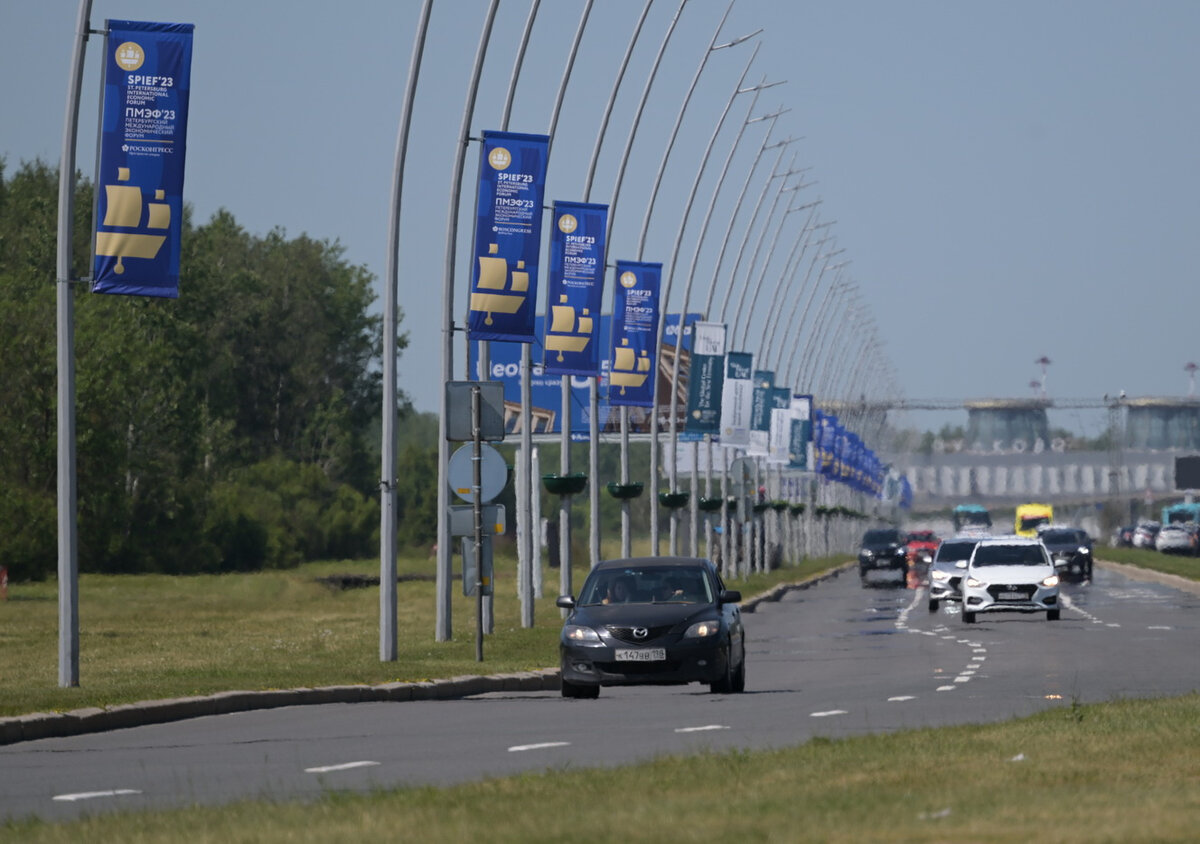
1010 575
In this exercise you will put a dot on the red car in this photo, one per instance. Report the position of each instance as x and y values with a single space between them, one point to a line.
922 545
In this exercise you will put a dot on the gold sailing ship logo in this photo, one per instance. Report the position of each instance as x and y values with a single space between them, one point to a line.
123 209
499 290
568 332
631 368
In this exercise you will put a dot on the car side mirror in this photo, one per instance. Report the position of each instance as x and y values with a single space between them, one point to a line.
731 596
566 602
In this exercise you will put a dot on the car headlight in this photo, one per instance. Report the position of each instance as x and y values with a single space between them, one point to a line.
1082 550
974 582
867 552
577 635
941 575
703 629
1052 580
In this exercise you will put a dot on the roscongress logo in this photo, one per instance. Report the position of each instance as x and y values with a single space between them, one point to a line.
628 280
130 56
567 223
500 158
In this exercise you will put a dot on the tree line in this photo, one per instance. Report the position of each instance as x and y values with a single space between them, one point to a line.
231 429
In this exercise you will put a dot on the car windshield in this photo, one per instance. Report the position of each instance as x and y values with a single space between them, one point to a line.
1060 537
647 584
952 552
880 537
1008 555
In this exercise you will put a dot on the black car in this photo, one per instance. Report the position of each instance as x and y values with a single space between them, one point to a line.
1071 550
883 548
652 621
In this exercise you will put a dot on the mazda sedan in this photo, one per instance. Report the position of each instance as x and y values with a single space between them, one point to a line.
652 621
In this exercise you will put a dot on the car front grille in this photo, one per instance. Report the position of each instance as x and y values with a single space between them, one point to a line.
625 634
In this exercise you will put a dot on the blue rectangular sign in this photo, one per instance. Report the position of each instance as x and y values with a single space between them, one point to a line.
143 136
705 379
508 233
546 390
631 374
575 288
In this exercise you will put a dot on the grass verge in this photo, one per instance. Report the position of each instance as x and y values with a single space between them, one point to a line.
146 637
1146 558
1123 771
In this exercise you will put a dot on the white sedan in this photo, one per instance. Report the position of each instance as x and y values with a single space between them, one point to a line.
1010 575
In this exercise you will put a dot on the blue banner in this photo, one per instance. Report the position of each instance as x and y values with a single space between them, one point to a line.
546 390
143 137
760 413
508 233
801 435
631 372
705 377
575 288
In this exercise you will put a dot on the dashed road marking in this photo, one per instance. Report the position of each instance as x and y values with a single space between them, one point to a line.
92 795
518 748
828 713
900 698
345 766
1159 627
701 729
946 688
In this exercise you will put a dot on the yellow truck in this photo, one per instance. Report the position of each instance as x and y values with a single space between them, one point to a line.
1030 517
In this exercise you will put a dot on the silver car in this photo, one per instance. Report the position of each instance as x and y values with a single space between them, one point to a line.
1010 575
949 564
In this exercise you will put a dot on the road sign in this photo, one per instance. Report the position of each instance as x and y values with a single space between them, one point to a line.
460 473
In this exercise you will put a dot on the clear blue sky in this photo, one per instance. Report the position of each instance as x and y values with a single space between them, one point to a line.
1010 180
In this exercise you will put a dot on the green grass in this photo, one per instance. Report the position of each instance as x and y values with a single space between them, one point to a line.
145 637
1188 567
1122 772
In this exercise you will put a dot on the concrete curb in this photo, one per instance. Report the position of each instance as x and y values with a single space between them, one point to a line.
40 725
1152 576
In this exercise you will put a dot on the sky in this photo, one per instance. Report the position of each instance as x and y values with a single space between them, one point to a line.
1009 181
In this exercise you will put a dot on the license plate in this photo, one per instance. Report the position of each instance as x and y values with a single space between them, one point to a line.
641 655
1012 596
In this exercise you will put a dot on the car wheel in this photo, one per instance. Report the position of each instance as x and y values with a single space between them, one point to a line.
723 685
589 692
569 689
739 677
933 605
968 617
580 691
1052 615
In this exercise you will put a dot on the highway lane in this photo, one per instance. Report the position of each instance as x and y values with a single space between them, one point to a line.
831 660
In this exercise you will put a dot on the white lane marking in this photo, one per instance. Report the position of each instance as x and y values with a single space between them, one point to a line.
517 748
701 729
92 795
970 672
978 658
345 766
961 679
826 714
979 650
1159 627
899 698
1112 624
946 688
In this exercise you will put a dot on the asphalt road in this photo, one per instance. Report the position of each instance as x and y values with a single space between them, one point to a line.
832 660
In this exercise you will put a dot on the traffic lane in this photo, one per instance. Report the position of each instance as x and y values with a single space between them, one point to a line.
834 660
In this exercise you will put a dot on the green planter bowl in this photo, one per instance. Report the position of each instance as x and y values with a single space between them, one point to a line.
624 492
674 500
709 505
732 503
761 507
565 484
779 506
796 509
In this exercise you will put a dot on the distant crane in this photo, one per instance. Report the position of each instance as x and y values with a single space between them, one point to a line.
1190 368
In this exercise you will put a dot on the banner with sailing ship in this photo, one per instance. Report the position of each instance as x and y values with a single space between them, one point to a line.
575 288
139 197
508 233
631 375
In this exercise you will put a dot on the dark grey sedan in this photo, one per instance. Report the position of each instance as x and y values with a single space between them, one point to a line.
652 621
